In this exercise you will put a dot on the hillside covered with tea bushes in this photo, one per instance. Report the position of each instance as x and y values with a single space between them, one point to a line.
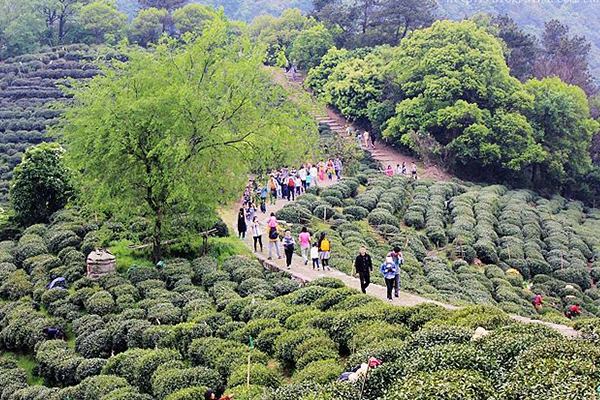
32 98
170 332
464 243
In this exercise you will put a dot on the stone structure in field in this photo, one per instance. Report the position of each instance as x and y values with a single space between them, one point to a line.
100 262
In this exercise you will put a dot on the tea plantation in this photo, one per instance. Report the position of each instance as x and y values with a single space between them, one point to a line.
32 97
171 332
464 244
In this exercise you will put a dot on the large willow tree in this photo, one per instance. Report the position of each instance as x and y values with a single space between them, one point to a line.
172 133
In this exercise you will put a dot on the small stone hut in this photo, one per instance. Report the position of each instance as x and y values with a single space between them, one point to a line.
100 262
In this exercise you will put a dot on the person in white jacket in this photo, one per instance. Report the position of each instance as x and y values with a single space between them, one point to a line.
314 255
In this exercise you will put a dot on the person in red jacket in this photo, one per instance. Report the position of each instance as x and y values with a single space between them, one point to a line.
210 395
573 311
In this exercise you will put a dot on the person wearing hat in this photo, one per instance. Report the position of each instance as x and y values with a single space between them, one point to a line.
388 269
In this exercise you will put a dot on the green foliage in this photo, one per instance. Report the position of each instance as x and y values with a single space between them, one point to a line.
259 375
41 184
309 46
165 159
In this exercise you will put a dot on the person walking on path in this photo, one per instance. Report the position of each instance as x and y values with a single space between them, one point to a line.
366 140
414 171
330 169
241 225
398 169
322 171
337 165
285 190
291 184
251 212
264 192
273 226
256 233
403 168
388 269
302 174
273 187
304 238
363 266
288 247
324 250
314 171
398 259
314 255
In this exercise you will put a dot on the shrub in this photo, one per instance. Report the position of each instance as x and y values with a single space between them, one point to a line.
94 344
96 387
327 282
89 367
381 217
285 345
357 212
324 211
321 372
100 303
451 384
149 362
375 331
168 381
164 313
191 393
259 375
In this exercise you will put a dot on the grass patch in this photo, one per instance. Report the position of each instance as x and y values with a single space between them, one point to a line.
27 362
126 257
225 247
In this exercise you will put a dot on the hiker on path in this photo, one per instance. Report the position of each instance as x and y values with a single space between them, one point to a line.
403 168
348 130
299 185
251 212
304 238
291 184
324 250
398 169
363 266
337 166
398 259
313 175
273 187
366 140
330 169
285 190
256 233
264 192
314 255
373 138
288 248
388 269
241 225
322 171
414 171
302 174
273 226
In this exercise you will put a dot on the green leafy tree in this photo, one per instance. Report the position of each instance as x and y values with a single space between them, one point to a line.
318 76
560 117
102 21
310 45
156 136
456 89
193 17
41 184
149 25
20 27
61 19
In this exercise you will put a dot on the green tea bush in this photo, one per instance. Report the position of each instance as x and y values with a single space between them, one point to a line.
448 384
357 212
168 381
100 303
321 372
260 375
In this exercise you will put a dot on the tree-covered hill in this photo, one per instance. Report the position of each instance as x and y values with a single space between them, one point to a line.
583 18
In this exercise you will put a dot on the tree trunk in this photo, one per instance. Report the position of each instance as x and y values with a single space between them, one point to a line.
157 238
365 17
61 29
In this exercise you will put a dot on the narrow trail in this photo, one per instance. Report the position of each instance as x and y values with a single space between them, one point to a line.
305 273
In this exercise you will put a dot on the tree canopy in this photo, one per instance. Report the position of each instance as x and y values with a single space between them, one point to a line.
155 136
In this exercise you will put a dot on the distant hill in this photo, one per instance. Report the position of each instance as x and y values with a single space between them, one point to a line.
583 18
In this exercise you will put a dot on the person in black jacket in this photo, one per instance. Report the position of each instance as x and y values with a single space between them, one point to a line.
364 266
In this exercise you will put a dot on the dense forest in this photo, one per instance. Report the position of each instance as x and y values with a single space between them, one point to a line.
129 131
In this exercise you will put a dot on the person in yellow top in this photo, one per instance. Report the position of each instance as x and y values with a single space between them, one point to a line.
324 250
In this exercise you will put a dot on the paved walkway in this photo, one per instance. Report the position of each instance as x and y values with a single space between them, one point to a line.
305 273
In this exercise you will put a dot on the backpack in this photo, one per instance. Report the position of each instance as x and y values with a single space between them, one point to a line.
273 233
291 182
325 245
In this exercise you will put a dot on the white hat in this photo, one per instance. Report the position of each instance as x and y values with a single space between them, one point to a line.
389 260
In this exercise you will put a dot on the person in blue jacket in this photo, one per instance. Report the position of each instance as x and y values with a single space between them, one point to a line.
388 269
